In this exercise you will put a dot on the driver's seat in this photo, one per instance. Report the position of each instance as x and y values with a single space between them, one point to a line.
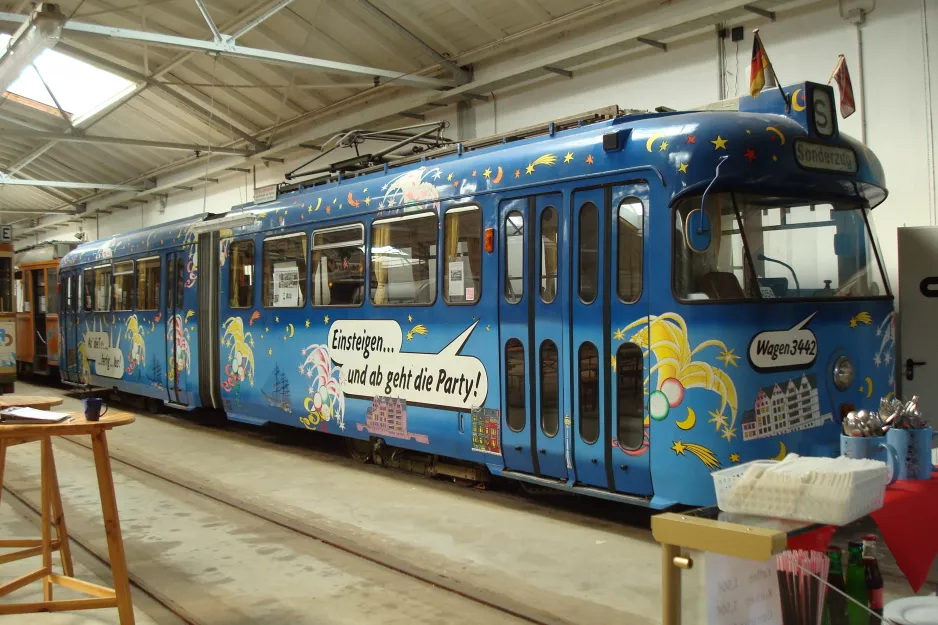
720 285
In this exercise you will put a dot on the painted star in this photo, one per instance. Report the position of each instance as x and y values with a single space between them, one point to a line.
270 352
619 335
487 173
861 389
888 358
455 183
410 318
734 458
718 418
692 139
410 336
774 158
328 209
436 174
517 173
325 319
568 157
663 146
473 173
530 169
276 319
729 357
334 200
310 209
728 433
719 143
748 132
488 327
284 337
683 168
307 323
267 330
390 202
368 200
589 159
450 177
251 341
613 362
750 154
678 448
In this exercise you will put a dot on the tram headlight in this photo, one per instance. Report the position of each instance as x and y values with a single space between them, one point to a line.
844 373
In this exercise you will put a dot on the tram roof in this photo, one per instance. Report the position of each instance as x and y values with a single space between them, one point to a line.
773 145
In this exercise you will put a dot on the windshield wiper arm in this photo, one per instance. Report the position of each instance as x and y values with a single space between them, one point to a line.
762 256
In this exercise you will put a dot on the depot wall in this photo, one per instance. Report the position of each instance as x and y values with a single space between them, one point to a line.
900 66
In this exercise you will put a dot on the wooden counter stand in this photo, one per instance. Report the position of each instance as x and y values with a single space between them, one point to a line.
53 516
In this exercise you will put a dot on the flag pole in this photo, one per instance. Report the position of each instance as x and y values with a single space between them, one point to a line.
778 83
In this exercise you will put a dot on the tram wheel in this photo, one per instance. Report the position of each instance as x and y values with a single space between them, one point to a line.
363 451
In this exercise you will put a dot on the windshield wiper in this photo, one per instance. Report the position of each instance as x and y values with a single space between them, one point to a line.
763 257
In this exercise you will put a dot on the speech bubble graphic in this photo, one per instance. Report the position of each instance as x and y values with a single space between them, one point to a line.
368 352
108 361
782 350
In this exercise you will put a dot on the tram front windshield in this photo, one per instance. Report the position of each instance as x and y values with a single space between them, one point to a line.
773 248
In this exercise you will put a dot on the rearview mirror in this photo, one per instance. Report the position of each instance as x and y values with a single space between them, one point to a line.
697 230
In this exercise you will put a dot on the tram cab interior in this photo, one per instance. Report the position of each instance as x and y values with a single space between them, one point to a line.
37 307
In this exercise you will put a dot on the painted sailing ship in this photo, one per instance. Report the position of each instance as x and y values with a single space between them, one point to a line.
279 395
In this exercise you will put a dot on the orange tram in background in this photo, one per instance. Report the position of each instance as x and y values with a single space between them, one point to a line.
35 343
7 314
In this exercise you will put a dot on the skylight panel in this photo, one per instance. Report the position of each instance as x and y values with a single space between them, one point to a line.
81 89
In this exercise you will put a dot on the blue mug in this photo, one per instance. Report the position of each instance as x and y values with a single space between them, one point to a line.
93 406
914 447
872 448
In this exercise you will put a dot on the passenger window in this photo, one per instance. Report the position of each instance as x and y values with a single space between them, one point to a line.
630 396
241 275
588 248
124 286
284 284
589 393
550 389
181 279
87 290
514 257
19 293
148 283
102 288
516 414
338 263
548 255
462 243
630 229
403 260
6 284
52 299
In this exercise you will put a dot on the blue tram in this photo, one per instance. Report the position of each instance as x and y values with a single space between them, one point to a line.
615 307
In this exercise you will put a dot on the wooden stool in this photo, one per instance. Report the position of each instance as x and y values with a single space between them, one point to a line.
53 516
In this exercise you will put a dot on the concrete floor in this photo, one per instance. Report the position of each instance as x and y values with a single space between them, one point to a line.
224 566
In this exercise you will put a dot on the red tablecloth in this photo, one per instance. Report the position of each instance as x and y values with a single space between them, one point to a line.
907 522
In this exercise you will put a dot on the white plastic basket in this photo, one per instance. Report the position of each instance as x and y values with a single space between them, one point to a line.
830 504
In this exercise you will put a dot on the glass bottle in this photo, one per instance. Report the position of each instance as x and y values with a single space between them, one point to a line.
874 579
835 605
856 586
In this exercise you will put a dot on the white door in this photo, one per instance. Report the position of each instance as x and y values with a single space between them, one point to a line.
917 366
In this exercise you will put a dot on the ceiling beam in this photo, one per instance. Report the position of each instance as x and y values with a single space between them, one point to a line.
160 145
31 211
66 184
242 52
260 18
216 35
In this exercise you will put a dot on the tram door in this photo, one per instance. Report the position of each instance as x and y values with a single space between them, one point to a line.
175 318
532 324
608 308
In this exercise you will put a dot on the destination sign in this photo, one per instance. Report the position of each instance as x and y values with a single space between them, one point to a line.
826 157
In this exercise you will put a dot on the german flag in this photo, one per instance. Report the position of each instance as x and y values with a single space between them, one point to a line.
758 67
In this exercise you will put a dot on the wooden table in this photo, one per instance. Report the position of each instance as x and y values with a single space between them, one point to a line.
39 402
53 515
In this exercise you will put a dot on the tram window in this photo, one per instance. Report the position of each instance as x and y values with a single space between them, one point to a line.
550 389
87 289
52 299
124 286
630 396
181 282
73 297
337 259
6 284
514 257
19 294
548 254
515 386
284 283
462 244
589 393
630 230
241 275
148 283
588 249
102 288
403 260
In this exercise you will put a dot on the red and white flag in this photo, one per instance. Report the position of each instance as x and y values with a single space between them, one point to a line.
842 76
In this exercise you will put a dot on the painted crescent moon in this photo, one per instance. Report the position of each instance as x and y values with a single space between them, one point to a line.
782 452
778 132
689 422
794 100
869 387
651 141
318 204
291 330
498 176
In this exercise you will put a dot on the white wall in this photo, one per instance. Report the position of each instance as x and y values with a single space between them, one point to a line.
898 81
